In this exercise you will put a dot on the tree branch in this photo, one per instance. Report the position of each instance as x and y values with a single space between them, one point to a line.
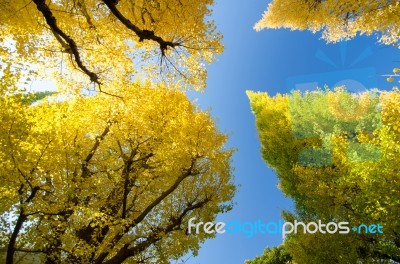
125 174
52 22
147 210
85 170
20 221
143 34
175 222
167 192
113 202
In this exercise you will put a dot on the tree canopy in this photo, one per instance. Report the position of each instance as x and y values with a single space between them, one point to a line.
111 175
78 42
105 180
337 20
336 154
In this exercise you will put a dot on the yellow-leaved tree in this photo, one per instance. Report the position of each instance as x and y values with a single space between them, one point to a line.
111 176
78 42
336 19
105 180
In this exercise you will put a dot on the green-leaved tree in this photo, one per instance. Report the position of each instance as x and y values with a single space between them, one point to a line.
336 155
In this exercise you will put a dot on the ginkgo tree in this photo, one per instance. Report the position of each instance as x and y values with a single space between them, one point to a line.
107 180
337 20
110 176
79 42
336 155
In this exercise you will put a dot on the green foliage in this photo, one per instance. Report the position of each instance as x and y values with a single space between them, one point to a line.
31 98
336 154
275 255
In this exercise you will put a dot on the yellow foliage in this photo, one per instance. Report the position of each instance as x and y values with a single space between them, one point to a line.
85 41
92 176
337 19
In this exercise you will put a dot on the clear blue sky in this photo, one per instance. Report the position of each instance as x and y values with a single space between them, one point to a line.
275 61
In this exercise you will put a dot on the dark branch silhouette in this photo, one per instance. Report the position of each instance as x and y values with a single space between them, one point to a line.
52 22
143 34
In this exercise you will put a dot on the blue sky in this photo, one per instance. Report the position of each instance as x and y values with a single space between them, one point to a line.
275 61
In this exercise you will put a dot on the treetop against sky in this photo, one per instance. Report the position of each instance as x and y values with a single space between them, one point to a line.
111 167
